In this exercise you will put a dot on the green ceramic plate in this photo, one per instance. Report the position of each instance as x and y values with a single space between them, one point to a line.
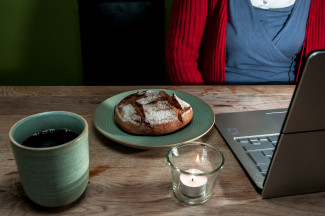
201 123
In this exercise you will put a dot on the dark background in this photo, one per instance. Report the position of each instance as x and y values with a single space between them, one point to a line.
123 42
85 42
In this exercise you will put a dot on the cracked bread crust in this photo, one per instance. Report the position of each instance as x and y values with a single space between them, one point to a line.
152 112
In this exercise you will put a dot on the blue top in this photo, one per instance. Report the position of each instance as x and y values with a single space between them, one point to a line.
262 44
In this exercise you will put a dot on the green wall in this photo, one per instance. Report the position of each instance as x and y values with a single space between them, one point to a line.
40 42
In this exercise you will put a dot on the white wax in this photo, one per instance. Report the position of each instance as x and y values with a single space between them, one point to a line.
191 185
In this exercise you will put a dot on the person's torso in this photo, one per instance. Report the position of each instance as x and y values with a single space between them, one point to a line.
261 44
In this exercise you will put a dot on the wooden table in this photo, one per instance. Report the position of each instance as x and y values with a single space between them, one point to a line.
128 181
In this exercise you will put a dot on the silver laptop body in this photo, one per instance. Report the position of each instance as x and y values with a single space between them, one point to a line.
283 150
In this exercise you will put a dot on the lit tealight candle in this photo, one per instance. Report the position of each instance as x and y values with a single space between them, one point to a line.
193 185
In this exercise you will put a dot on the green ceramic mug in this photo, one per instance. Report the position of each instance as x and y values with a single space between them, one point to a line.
52 176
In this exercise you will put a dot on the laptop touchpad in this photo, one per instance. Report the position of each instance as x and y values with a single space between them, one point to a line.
277 117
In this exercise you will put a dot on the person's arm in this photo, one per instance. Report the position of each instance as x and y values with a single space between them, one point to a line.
315 31
186 27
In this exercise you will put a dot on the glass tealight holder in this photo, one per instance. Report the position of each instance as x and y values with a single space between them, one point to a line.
194 168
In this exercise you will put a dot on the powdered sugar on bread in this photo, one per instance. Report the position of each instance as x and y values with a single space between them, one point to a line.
182 103
159 113
151 95
129 114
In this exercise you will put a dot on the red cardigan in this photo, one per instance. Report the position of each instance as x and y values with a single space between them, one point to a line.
196 40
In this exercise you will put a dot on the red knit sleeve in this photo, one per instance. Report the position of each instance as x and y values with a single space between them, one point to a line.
315 37
185 31
315 29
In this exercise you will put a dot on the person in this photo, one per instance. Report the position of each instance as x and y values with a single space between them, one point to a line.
242 41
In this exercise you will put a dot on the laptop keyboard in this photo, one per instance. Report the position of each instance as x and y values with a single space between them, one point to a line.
260 149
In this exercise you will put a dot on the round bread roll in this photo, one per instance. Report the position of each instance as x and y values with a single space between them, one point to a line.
152 112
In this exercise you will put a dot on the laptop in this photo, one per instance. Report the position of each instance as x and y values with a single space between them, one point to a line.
283 150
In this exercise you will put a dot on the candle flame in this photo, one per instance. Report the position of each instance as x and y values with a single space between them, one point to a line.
197 160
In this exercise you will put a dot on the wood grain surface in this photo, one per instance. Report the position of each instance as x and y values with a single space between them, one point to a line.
128 181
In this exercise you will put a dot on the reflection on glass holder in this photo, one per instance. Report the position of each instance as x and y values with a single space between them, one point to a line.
194 168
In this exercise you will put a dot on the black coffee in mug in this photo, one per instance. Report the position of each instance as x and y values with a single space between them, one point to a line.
50 138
